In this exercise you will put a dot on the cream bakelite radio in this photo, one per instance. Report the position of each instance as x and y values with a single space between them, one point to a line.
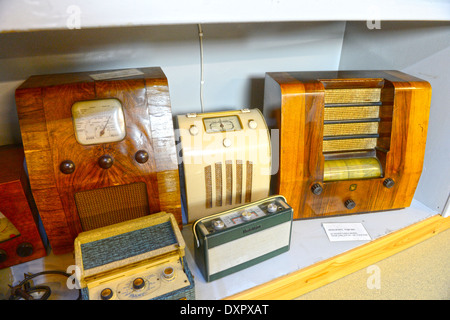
226 160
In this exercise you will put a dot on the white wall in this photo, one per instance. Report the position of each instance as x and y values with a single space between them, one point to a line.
236 57
423 50
20 15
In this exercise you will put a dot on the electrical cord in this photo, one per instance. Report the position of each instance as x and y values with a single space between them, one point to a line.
24 290
202 80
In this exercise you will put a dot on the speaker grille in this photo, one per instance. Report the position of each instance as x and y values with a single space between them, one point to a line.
351 119
351 124
228 179
102 207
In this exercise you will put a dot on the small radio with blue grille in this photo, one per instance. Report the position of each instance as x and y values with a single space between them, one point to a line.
139 259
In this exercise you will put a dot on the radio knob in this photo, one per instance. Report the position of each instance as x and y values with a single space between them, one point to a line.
388 183
350 204
168 273
316 189
252 124
67 167
105 162
138 283
24 249
106 294
218 224
141 156
272 207
226 142
3 256
193 130
247 216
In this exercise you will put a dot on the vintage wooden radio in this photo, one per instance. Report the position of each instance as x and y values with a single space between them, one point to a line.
350 141
236 239
226 160
20 238
100 149
139 259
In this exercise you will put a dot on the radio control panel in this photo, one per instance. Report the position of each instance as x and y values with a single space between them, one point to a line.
242 215
142 284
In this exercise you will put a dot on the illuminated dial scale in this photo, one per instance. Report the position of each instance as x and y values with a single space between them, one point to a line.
223 124
143 285
98 121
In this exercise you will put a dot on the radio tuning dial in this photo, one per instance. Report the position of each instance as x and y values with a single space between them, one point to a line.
388 183
138 283
272 207
24 249
3 255
106 294
350 204
193 130
252 124
247 216
67 167
316 189
218 224
105 162
141 156
168 273
226 142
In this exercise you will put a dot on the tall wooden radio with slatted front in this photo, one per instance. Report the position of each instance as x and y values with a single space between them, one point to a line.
100 149
226 160
350 141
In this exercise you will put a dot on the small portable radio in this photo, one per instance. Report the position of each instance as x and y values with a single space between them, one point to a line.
226 160
236 239
139 259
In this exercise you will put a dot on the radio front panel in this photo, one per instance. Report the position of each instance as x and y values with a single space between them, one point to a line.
226 160
350 141
100 149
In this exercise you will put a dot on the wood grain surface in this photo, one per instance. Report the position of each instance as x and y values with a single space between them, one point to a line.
298 98
44 108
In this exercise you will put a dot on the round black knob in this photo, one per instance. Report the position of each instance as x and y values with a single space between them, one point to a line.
106 294
138 283
350 204
105 161
24 249
3 255
67 167
316 189
141 156
388 183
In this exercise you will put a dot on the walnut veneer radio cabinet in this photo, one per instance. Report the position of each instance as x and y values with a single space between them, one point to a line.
350 141
100 149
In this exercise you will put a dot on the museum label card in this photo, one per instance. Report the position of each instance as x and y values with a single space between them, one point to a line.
346 231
